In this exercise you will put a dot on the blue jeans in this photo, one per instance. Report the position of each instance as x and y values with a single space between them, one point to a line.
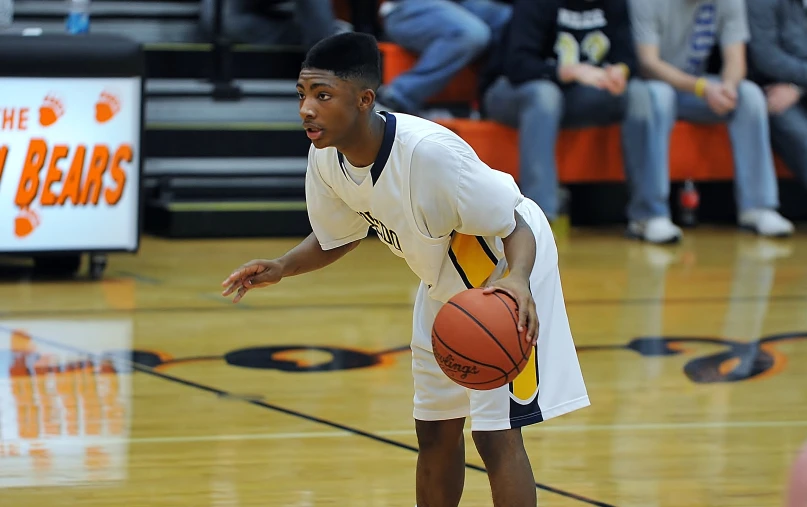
754 174
789 139
446 35
539 109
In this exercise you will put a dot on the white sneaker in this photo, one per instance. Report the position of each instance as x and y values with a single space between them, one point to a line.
766 222
655 230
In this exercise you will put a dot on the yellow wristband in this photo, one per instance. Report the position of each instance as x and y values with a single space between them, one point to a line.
700 86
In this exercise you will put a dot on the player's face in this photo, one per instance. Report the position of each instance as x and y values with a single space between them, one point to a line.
329 106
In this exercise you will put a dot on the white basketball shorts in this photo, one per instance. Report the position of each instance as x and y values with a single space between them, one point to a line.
552 383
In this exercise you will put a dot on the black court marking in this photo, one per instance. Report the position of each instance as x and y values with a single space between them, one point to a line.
293 413
268 308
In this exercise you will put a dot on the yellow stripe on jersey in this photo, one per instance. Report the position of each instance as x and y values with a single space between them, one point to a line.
472 258
525 385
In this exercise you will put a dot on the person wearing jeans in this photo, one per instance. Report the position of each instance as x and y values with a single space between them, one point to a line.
675 41
568 64
777 60
447 35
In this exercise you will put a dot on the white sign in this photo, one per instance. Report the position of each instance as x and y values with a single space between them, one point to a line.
69 164
65 409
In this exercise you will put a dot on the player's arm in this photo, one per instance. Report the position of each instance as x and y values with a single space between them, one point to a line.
519 249
337 230
471 198
306 257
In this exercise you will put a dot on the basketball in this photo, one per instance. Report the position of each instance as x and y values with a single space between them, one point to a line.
476 342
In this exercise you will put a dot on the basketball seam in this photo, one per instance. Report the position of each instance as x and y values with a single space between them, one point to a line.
515 321
515 365
435 334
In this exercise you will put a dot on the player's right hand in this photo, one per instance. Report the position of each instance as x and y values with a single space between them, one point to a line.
254 274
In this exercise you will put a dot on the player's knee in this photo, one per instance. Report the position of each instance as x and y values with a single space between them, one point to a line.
439 435
544 95
495 446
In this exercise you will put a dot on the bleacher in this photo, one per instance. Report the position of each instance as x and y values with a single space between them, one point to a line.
225 156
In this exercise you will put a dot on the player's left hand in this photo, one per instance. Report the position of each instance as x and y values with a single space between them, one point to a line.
520 290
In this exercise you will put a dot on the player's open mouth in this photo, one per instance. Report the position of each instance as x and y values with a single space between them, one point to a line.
313 132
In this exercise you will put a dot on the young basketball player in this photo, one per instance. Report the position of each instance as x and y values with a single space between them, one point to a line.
458 224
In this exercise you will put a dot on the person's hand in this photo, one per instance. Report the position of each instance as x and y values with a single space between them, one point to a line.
519 289
720 97
591 76
252 275
617 79
781 97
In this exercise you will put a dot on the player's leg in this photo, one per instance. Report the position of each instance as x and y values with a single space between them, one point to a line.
441 407
512 483
498 415
440 475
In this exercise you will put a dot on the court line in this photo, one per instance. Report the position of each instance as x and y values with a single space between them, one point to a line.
276 408
305 435
228 306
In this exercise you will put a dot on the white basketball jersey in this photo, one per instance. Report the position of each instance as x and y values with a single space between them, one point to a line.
465 255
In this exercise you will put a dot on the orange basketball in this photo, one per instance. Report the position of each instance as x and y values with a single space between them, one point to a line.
476 342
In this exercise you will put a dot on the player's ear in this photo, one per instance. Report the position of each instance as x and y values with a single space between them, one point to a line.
366 99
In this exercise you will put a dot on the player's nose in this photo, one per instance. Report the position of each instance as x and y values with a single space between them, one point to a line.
307 111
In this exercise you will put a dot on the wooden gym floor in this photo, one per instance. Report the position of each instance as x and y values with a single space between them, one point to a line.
694 357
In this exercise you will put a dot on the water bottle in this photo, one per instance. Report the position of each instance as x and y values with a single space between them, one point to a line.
6 13
78 16
688 200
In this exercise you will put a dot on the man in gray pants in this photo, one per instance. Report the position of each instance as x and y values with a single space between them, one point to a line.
777 61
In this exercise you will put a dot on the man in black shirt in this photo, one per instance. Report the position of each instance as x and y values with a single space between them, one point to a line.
570 63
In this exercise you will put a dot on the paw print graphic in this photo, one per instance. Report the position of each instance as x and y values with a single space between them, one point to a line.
25 223
107 107
50 111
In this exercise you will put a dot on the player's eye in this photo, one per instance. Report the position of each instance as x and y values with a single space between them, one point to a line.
300 96
324 96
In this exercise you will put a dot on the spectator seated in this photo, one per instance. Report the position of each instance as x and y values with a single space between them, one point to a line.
698 152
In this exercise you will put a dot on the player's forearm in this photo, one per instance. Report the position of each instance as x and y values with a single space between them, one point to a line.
519 249
309 256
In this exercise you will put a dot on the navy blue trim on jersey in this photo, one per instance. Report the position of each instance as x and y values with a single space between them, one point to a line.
386 146
383 153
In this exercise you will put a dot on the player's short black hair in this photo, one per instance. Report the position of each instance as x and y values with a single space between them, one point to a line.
350 56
